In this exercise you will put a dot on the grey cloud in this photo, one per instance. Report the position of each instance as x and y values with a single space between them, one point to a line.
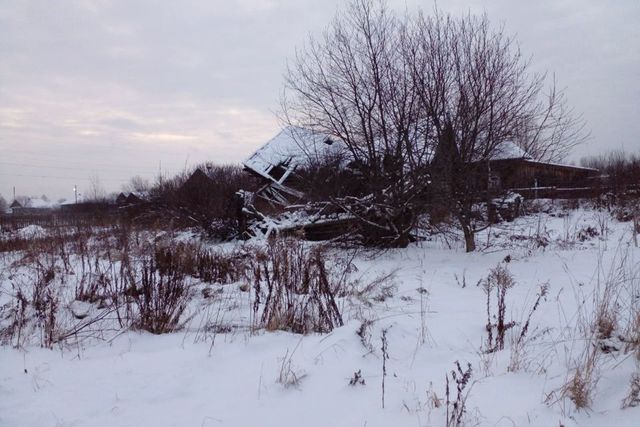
136 83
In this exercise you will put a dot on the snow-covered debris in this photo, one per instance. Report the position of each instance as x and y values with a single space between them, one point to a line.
31 232
80 309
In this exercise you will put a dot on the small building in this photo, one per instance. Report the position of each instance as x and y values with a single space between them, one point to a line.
513 169
196 189
33 206
15 207
121 199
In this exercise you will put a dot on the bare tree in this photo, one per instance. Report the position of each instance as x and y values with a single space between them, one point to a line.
552 129
4 206
621 170
477 91
96 191
353 84
413 94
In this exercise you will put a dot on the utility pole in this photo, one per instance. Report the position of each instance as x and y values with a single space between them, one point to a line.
75 192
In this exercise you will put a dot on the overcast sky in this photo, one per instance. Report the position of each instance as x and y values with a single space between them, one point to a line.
112 89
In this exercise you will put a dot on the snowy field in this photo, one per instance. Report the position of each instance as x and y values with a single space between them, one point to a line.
410 315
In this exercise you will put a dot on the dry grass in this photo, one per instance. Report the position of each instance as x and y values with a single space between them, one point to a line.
294 289
288 375
581 385
633 397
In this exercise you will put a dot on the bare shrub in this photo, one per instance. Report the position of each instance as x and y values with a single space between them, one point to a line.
357 379
385 357
622 170
633 398
160 298
33 309
519 345
364 332
456 408
14 316
629 312
45 302
632 334
582 382
95 279
376 290
500 280
201 196
211 266
114 283
294 290
587 232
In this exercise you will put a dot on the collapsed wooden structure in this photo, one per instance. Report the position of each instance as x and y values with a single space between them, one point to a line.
275 162
508 170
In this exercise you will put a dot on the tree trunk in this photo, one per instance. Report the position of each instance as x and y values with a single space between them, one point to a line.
469 235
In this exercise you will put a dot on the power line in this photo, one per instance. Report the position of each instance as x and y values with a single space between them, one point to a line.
89 156
31 165
72 178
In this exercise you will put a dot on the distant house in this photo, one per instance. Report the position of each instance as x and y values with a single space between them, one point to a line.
510 168
15 207
196 189
33 206
127 200
121 199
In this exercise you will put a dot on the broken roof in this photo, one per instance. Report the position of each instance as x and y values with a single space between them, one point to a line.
292 147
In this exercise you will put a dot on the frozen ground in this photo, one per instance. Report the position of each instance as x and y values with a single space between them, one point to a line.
435 316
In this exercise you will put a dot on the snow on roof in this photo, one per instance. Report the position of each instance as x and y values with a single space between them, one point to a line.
41 203
35 203
509 150
292 147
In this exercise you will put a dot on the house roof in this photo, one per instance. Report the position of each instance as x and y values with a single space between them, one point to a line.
35 203
508 150
198 179
292 147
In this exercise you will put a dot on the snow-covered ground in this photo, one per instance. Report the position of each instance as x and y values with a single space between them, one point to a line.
435 315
